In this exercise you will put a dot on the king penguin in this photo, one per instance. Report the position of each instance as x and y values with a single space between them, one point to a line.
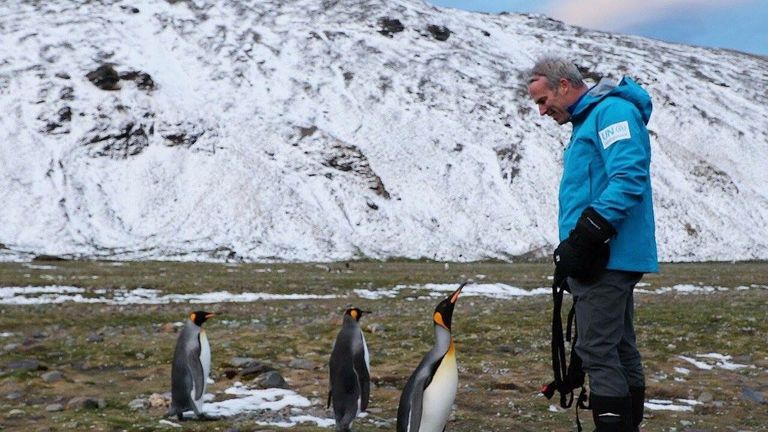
191 367
428 396
350 383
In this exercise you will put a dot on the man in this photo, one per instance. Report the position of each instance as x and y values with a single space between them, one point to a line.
606 223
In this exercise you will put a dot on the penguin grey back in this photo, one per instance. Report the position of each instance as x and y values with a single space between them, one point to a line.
349 372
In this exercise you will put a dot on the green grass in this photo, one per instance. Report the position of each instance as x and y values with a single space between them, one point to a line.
502 345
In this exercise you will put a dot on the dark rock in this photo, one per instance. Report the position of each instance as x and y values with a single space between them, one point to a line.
48 258
26 365
440 33
86 402
241 362
375 328
14 395
390 26
230 373
65 114
504 386
129 140
104 77
52 376
62 75
752 395
256 368
94 338
54 407
271 379
302 364
138 404
67 93
142 79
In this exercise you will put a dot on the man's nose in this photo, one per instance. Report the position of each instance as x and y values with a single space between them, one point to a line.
542 110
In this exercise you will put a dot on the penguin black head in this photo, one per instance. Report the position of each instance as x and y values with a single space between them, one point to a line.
199 317
444 310
355 313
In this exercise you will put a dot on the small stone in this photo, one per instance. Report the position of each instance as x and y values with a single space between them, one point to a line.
95 337
54 407
10 347
138 404
255 368
705 397
15 413
302 364
168 328
85 402
241 361
157 400
752 395
271 379
52 376
375 328
26 365
15 395
140 356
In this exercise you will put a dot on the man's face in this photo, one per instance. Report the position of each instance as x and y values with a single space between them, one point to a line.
553 103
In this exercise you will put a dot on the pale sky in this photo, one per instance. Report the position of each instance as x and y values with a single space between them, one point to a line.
734 24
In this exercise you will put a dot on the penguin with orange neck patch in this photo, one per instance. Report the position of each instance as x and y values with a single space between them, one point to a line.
350 382
191 367
428 396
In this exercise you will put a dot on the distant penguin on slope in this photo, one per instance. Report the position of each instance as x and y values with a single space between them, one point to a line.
350 383
428 396
191 367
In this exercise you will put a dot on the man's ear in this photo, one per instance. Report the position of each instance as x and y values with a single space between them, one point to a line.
563 85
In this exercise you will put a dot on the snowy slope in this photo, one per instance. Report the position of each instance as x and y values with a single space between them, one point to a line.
319 130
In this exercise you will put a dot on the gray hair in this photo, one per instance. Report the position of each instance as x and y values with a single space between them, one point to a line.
553 69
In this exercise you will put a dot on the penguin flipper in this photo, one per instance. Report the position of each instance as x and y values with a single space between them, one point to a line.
364 380
410 408
196 371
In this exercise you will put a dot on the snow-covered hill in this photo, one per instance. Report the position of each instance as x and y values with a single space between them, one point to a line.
330 130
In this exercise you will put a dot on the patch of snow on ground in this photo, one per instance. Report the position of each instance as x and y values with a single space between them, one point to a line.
253 400
713 360
665 405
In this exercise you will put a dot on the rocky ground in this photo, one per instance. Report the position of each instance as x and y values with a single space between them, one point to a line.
106 367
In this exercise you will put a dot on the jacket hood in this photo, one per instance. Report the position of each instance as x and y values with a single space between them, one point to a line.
627 89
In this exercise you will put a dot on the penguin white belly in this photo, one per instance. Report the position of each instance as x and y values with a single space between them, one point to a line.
368 368
367 356
205 361
439 395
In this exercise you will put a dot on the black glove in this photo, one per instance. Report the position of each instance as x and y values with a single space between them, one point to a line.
584 254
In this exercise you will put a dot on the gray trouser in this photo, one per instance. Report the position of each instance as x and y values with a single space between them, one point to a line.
606 337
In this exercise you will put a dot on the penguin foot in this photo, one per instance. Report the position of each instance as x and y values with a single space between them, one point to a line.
207 417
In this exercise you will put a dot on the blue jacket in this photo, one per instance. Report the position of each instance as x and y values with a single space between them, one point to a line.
606 165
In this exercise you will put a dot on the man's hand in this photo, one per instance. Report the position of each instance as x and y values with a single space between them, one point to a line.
584 254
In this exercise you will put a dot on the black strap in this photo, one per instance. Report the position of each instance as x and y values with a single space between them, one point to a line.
568 375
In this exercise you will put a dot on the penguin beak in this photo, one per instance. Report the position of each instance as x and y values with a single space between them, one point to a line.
209 314
455 295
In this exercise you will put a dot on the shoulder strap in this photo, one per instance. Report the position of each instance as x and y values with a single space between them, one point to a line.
569 375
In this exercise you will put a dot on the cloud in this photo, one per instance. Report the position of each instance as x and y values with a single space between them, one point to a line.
613 15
